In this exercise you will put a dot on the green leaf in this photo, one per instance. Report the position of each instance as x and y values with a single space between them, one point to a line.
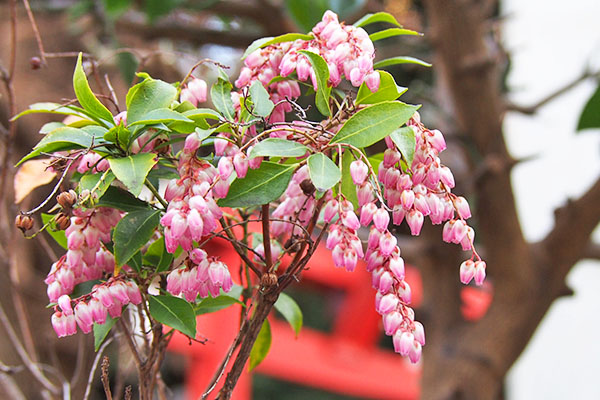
86 97
213 304
99 182
115 8
260 186
261 347
174 312
133 232
161 115
50 126
148 96
275 147
58 236
404 139
290 311
135 262
102 331
220 93
50 108
132 170
158 256
388 90
267 41
322 73
119 135
375 160
387 33
65 138
348 186
323 172
158 8
377 17
121 200
400 60
263 106
590 117
373 123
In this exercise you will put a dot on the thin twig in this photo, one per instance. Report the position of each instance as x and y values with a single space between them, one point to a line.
104 378
266 237
36 32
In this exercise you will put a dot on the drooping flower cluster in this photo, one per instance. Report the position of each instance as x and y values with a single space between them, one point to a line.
200 275
106 298
86 258
195 91
347 50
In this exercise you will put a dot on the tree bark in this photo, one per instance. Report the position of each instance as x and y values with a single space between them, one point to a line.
470 360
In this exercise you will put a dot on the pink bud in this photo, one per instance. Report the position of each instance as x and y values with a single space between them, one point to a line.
356 77
240 163
479 272
407 199
390 158
446 177
396 265
372 80
391 322
404 292
398 214
350 259
387 303
350 220
387 244
381 219
414 353
59 324
467 242
75 240
330 210
403 342
467 271
220 146
385 282
198 89
366 213
364 193
437 140
64 302
83 316
359 172
178 226
419 333
225 167
462 207
54 291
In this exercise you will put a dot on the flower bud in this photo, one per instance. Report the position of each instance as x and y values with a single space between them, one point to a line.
24 222
62 221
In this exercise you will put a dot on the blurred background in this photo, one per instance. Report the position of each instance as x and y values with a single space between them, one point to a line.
509 83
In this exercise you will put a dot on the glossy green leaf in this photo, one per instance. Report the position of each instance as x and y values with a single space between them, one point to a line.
260 186
377 17
323 172
119 135
388 90
348 186
65 138
400 60
161 115
102 331
132 170
263 106
290 311
261 347
322 73
174 312
98 183
224 300
404 139
50 126
267 41
158 256
590 117
121 200
133 232
147 96
50 108
275 147
58 236
220 94
387 33
86 97
374 123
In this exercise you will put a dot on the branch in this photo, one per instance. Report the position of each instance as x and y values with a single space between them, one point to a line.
533 108
592 251
569 240
180 31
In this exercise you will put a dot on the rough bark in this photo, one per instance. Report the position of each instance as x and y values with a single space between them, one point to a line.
470 360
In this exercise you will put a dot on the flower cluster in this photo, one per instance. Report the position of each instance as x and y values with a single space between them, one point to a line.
86 258
106 298
200 275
